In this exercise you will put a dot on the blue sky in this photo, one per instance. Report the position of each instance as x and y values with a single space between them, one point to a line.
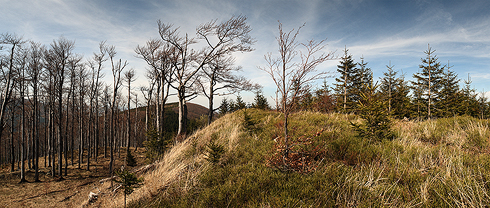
379 30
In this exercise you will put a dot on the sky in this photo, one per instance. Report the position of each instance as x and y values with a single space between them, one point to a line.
380 31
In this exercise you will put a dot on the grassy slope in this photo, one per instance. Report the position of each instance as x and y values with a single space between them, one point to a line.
436 163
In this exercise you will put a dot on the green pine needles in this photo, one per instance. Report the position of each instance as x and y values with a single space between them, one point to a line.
128 181
214 151
373 109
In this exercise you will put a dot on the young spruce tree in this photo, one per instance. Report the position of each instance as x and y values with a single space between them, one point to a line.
343 88
428 83
373 109
395 90
450 99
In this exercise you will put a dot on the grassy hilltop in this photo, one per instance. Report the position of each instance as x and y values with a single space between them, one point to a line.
436 163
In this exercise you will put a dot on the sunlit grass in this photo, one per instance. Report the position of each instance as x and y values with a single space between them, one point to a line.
436 163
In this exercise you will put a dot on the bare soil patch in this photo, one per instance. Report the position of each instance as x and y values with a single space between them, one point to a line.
72 191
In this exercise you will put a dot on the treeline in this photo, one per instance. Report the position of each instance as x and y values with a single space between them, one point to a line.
435 92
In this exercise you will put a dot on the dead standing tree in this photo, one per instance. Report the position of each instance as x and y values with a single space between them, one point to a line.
96 65
116 67
220 39
57 58
129 77
156 54
218 75
290 73
35 70
9 75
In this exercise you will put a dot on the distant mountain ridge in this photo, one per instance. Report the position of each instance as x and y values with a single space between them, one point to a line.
194 111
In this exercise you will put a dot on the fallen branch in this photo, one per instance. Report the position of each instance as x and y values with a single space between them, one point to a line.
68 197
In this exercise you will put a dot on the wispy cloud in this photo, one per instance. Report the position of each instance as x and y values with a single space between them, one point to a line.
378 30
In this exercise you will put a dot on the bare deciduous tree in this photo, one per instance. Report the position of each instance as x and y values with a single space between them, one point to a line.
116 67
157 54
82 91
219 39
95 65
129 77
35 70
14 41
290 73
57 58
219 75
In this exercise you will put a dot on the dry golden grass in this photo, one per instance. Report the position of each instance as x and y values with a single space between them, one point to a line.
183 163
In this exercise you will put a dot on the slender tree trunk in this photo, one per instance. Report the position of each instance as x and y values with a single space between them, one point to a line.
111 145
159 124
12 150
211 98
45 134
81 135
163 101
50 133
60 136
96 126
285 110
430 77
182 113
36 132
147 117
72 129
106 112
28 141
90 134
52 141
129 123
65 144
345 89
23 135
136 122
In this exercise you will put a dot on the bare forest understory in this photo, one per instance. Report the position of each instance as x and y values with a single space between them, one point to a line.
72 191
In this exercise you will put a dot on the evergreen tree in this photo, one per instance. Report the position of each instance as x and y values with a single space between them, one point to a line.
395 90
323 100
469 105
233 106
224 107
128 181
306 101
401 107
373 109
361 80
428 83
240 104
450 101
388 85
483 104
343 88
260 101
